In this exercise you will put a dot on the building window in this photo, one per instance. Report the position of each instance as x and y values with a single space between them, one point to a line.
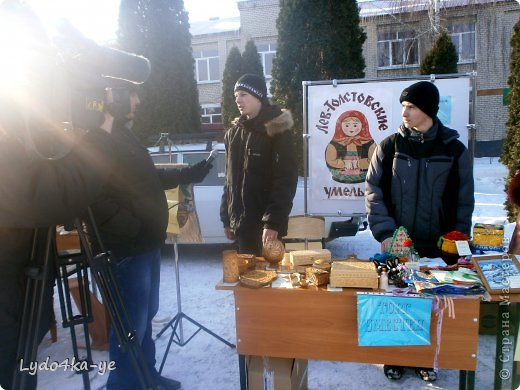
211 114
463 37
267 52
206 65
397 49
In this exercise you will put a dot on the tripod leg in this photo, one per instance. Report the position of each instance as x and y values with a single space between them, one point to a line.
69 319
176 322
38 294
110 292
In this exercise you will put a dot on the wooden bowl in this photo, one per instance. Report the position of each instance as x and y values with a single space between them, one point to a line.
273 251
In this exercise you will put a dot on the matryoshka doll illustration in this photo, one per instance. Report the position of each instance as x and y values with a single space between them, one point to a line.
348 153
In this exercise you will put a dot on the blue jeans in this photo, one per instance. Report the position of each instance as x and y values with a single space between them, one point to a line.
138 278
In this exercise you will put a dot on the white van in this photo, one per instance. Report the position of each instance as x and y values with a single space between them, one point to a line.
208 193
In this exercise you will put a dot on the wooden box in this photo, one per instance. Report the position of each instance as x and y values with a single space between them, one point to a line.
316 276
361 274
308 256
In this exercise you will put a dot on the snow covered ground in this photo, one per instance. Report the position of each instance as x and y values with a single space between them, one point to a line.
206 363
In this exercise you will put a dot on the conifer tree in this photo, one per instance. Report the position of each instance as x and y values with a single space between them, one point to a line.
317 40
251 62
511 151
442 58
232 71
159 30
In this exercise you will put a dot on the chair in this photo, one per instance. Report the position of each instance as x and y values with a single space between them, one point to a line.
304 232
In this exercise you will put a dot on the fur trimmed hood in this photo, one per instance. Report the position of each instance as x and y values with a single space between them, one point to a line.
272 120
279 124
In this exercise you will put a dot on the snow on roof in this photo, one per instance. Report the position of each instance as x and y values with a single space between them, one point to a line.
367 8
215 26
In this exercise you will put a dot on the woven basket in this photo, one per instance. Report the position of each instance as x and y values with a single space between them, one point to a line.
361 274
257 278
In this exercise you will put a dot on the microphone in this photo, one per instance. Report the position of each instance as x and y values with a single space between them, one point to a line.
212 156
100 61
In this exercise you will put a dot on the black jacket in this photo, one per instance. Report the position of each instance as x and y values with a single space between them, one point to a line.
39 193
261 172
132 212
424 184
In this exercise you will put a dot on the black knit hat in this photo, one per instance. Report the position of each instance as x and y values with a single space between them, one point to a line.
424 95
253 85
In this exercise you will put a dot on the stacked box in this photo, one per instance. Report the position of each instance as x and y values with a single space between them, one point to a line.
316 276
354 273
308 256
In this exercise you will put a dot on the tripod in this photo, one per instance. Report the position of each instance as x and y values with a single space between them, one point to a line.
37 288
177 335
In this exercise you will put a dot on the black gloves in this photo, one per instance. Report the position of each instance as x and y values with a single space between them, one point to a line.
196 173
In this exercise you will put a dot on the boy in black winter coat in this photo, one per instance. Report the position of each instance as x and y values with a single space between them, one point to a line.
261 170
420 178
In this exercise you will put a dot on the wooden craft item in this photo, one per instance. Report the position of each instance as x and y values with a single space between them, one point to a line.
316 276
273 251
257 278
308 256
230 266
354 273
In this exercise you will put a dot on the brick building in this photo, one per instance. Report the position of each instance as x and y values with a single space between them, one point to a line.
398 36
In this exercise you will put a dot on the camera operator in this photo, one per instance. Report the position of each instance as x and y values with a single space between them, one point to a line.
132 216
47 176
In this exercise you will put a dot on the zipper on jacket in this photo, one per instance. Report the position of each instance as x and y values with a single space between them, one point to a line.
437 159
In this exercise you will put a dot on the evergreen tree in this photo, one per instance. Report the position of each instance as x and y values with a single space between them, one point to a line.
511 151
441 58
232 71
317 40
251 62
159 30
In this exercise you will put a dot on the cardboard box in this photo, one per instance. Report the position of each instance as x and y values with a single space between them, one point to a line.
268 373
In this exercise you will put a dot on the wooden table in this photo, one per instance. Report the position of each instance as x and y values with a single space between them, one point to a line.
316 324
506 339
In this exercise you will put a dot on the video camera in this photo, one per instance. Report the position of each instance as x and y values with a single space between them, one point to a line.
51 87
91 70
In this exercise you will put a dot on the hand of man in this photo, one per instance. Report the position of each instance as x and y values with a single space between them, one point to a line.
385 245
196 173
229 234
269 235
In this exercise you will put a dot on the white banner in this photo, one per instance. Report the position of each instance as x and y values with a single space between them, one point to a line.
344 124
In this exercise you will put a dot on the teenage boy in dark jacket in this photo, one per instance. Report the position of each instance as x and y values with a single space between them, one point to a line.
261 170
420 178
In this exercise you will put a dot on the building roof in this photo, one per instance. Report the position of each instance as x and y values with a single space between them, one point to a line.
367 8
215 26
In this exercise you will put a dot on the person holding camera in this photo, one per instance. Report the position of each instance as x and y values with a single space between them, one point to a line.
48 176
50 173
132 215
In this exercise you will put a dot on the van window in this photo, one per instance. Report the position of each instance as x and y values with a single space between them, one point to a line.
164 158
215 177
